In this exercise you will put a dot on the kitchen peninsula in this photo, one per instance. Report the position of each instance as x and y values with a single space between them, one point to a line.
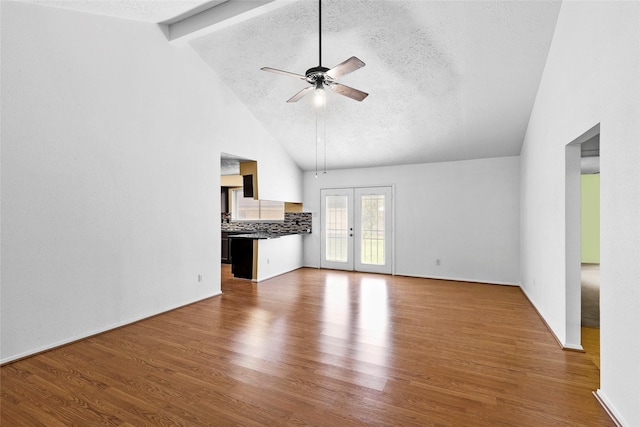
259 251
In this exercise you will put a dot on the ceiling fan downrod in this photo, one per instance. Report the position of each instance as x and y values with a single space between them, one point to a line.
319 33
317 74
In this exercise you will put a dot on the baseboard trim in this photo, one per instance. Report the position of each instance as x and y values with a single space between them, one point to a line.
456 279
262 279
606 405
59 344
451 279
566 347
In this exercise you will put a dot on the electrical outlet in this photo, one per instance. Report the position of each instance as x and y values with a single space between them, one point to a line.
267 260
199 278
438 261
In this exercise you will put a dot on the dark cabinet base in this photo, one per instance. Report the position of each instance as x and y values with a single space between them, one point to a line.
242 258
225 254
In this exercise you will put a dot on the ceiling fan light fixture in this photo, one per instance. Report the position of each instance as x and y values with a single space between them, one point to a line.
319 95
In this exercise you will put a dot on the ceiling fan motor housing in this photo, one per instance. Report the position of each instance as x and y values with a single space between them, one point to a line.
317 74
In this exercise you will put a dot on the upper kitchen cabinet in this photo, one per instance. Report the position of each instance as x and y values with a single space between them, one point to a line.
249 172
271 176
293 207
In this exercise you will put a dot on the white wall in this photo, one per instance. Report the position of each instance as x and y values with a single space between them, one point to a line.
591 77
464 213
279 256
111 141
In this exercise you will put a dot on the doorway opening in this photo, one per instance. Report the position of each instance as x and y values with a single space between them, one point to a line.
582 243
357 229
230 180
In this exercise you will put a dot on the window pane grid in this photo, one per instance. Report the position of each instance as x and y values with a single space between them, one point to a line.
246 208
372 226
337 228
271 210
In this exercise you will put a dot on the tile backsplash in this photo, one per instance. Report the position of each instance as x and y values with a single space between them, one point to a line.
294 223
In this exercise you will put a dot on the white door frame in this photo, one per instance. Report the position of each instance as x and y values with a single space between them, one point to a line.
572 242
387 268
390 226
337 265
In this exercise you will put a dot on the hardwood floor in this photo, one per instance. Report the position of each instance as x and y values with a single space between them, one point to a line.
591 343
317 347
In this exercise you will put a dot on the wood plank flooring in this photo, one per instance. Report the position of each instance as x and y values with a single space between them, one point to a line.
591 343
316 347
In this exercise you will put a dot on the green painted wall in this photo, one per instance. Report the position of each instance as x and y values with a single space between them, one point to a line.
590 217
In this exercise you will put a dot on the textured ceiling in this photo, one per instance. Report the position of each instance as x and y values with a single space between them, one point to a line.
230 164
447 80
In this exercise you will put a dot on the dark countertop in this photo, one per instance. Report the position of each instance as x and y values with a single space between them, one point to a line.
236 232
261 235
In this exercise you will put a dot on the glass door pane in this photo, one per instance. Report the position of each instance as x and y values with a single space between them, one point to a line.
337 229
373 231
337 226
372 227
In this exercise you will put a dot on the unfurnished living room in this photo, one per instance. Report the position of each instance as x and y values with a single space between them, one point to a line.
320 212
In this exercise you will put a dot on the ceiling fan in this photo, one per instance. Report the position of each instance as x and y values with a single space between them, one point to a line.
321 77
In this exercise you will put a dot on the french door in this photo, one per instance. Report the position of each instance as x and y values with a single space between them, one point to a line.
357 229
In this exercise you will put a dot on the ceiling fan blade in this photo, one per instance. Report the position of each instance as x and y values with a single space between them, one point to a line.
345 67
300 94
352 93
286 73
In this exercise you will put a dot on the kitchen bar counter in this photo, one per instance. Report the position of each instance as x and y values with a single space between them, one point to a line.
260 255
261 235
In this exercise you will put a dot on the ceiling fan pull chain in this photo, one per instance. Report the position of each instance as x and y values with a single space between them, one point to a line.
324 137
316 142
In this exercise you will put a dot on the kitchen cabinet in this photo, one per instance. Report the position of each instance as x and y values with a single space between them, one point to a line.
225 250
225 255
242 257
224 199
249 171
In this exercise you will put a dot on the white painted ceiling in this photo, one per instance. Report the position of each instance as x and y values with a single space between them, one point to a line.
447 80
139 10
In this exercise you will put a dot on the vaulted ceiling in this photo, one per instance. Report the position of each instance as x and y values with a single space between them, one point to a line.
447 80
